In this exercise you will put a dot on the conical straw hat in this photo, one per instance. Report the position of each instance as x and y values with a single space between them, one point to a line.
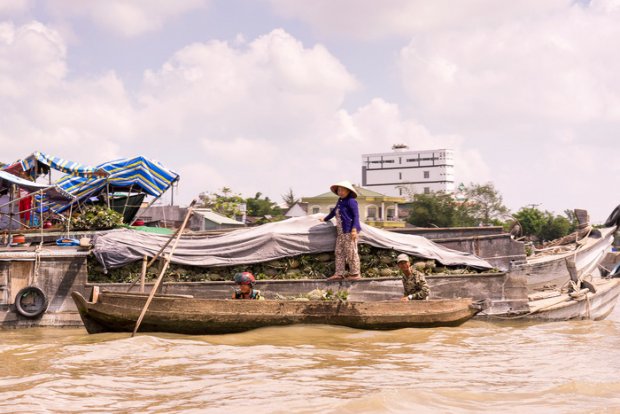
346 184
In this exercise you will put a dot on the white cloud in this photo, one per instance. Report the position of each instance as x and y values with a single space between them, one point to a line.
262 110
84 119
31 58
539 95
126 18
370 19
264 115
14 7
560 69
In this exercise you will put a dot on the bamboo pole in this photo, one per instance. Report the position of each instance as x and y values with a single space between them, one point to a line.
127 201
143 273
164 268
150 263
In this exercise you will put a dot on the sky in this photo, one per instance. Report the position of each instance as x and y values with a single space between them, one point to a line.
271 95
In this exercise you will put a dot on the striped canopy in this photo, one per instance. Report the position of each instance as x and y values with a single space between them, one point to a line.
137 174
52 192
37 162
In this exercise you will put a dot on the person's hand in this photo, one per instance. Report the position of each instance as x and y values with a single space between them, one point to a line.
404 299
354 235
321 220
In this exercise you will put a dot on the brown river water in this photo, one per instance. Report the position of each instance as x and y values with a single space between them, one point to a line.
566 367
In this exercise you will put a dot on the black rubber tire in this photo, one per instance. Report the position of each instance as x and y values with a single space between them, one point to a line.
30 311
614 218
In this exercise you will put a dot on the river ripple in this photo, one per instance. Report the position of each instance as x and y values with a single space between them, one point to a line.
568 367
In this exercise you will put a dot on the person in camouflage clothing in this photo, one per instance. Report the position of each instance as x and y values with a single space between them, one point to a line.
414 282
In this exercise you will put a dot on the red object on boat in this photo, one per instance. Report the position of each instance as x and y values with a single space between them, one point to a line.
19 238
138 222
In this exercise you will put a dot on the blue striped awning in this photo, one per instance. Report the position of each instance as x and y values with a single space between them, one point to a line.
31 163
137 173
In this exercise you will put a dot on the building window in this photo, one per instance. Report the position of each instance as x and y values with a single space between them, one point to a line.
316 210
400 191
371 213
391 213
400 176
427 190
427 174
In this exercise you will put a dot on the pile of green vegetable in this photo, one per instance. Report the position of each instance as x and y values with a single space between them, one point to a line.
96 217
374 263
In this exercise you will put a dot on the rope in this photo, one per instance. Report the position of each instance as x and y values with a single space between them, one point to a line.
37 265
539 309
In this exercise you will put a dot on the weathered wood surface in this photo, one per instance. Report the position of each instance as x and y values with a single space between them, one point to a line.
489 243
550 272
594 306
505 293
118 312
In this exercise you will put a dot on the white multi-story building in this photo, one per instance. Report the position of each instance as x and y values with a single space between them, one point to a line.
404 173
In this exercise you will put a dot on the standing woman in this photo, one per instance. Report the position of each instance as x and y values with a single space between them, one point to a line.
347 229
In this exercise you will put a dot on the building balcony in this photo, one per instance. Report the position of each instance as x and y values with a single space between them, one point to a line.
390 223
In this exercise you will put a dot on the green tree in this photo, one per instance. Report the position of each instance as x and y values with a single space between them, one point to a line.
483 203
434 209
555 228
258 206
224 202
543 225
289 198
532 220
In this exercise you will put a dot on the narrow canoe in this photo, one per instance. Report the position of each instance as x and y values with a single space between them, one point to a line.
118 312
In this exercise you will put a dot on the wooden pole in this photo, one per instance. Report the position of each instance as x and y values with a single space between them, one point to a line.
176 232
11 190
127 201
164 268
143 274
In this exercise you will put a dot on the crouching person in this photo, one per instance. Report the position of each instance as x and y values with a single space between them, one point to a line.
245 283
414 283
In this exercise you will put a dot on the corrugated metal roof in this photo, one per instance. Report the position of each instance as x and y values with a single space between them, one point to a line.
216 217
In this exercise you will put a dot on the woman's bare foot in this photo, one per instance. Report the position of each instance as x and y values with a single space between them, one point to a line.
335 277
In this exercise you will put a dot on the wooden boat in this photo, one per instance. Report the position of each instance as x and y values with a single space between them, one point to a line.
547 270
585 304
502 292
118 312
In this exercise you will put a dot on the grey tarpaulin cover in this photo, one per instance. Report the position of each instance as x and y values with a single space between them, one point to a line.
292 237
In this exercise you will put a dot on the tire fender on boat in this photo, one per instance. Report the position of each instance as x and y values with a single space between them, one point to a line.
614 218
31 302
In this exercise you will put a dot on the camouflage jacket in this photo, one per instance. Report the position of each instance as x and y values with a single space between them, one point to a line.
416 285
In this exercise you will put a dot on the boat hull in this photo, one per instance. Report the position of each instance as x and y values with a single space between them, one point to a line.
118 312
593 306
550 272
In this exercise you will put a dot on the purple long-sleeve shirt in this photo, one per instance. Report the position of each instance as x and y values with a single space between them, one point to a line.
349 214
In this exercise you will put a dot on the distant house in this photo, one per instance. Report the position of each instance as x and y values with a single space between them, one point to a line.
297 210
206 219
376 209
173 216
163 216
